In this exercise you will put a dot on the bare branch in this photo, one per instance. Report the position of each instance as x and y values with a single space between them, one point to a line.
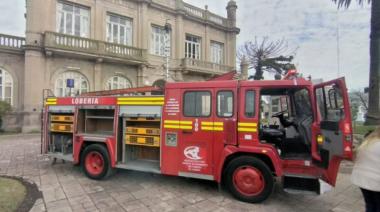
347 3
264 55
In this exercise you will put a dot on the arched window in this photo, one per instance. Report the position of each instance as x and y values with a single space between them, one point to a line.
80 84
117 82
6 86
160 84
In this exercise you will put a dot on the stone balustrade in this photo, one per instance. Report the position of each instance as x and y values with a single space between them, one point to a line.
90 46
11 42
204 66
204 14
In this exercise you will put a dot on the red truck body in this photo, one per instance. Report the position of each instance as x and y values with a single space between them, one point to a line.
211 130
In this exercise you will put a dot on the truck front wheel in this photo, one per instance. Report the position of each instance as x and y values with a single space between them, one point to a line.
95 162
249 179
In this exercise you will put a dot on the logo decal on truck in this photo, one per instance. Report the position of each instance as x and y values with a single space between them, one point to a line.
195 159
192 153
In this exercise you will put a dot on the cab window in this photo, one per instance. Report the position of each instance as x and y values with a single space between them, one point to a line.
197 104
250 104
330 103
225 103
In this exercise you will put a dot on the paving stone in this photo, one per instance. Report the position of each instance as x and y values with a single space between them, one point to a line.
66 188
59 206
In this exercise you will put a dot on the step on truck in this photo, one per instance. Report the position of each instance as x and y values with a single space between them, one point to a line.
242 134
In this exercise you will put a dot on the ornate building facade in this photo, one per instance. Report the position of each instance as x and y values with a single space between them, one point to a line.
110 44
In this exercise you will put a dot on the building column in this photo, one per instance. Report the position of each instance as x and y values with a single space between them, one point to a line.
180 38
98 84
141 76
34 84
35 63
142 26
231 17
207 43
244 69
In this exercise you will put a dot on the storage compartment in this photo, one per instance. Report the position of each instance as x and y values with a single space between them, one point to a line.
142 153
61 143
153 141
141 138
96 121
142 131
142 158
61 134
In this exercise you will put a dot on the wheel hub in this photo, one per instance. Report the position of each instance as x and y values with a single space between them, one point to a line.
94 163
248 180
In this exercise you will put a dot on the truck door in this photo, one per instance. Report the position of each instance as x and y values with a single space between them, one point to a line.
225 121
196 140
332 140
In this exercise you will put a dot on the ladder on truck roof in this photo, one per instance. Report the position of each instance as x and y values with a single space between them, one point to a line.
127 91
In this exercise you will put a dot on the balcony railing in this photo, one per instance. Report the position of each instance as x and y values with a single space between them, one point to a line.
11 42
204 66
204 14
90 46
195 11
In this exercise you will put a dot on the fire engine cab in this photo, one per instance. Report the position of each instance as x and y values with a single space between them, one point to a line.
241 134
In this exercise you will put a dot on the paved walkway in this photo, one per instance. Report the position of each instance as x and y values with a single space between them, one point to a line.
65 188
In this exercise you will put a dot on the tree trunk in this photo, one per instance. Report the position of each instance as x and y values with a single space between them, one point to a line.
373 116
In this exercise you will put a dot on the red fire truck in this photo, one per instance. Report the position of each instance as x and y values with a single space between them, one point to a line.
241 134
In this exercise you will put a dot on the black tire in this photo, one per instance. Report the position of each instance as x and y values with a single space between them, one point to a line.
102 152
266 182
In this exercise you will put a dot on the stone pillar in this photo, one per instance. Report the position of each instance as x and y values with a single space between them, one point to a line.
231 13
180 37
141 76
37 22
142 26
244 69
231 17
98 84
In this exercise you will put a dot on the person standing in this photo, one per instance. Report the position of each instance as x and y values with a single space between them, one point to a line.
366 171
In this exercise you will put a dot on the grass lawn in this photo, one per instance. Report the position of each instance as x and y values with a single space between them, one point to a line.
361 129
12 193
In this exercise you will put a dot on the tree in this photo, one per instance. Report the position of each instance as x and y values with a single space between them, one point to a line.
373 116
358 100
266 55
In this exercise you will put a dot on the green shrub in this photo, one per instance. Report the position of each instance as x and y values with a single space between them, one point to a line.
5 107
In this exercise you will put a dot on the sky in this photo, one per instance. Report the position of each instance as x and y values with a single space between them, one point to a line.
329 43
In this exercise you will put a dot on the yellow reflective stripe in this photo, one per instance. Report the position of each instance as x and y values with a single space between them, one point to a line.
171 126
186 127
218 128
244 129
208 128
51 101
186 122
139 103
218 123
141 99
171 122
241 124
206 123
212 128
175 124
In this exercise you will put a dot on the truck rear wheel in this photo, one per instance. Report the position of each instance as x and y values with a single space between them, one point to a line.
95 162
249 179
